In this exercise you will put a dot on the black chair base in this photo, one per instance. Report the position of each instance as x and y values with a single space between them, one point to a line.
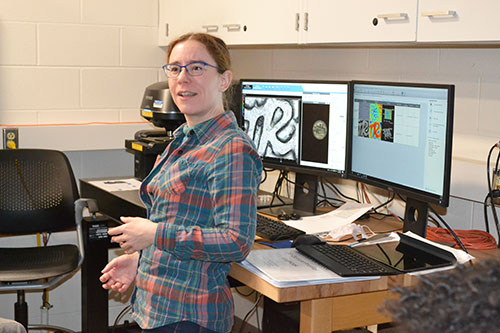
21 316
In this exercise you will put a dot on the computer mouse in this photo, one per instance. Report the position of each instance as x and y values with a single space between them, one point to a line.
294 216
306 240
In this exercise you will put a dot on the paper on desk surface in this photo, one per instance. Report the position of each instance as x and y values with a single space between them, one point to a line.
345 214
288 267
114 185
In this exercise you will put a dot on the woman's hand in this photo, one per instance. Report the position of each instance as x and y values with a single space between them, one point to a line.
120 272
136 234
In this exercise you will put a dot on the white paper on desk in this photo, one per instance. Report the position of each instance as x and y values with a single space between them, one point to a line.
114 185
288 267
345 214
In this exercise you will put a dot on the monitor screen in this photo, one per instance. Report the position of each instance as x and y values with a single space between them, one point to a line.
402 138
297 125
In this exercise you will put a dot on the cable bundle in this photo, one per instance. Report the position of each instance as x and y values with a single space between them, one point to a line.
471 239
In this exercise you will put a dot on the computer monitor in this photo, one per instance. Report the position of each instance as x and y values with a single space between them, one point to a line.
401 140
300 126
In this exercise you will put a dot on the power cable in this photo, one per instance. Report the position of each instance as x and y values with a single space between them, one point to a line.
253 309
490 192
120 316
450 229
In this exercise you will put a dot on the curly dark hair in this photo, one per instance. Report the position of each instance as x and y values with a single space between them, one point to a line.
466 299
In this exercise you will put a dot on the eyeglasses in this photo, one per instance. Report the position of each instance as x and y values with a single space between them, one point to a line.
195 68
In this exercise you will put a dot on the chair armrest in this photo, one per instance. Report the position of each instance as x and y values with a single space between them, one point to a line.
80 205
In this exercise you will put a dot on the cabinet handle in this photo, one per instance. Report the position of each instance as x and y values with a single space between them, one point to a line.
232 27
445 13
306 21
297 22
211 28
393 16
166 29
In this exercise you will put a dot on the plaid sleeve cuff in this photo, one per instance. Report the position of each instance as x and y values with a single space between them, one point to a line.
165 237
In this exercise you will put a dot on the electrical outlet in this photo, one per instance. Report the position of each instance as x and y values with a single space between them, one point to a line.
10 138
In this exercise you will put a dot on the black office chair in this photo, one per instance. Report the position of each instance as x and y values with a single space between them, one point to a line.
38 194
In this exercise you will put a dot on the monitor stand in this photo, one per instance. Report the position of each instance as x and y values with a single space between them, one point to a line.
416 214
304 198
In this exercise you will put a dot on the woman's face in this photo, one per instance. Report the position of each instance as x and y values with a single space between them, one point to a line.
198 97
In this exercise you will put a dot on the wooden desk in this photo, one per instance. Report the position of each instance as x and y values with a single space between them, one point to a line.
323 308
337 306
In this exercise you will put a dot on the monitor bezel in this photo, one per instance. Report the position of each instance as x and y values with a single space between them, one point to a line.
410 192
285 165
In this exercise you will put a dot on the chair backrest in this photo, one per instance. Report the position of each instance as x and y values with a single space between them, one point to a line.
37 191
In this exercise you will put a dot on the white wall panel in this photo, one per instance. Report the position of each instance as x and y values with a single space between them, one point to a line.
489 107
403 60
140 47
115 88
78 116
121 12
39 88
470 61
18 43
79 45
248 63
78 138
40 11
18 117
131 115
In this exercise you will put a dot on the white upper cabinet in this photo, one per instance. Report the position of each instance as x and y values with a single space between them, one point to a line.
339 21
179 17
236 22
261 22
458 21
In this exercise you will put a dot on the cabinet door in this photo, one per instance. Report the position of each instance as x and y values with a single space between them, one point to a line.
179 17
339 21
458 21
261 22
236 22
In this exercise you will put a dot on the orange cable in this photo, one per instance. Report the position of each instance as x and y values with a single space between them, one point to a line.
363 189
471 239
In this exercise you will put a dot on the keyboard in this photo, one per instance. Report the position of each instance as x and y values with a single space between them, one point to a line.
275 230
345 261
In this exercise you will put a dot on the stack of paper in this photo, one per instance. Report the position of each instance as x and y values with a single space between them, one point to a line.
289 268
345 214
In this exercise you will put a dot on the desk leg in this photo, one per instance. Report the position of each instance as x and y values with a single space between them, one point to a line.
94 297
316 316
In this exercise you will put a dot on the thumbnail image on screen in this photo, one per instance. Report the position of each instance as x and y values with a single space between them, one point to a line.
302 125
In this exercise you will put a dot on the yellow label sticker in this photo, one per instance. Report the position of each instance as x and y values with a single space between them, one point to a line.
136 146
147 113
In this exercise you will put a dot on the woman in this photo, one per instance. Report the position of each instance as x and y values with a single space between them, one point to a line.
201 204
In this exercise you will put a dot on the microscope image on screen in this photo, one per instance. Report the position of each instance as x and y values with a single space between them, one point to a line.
272 123
315 127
